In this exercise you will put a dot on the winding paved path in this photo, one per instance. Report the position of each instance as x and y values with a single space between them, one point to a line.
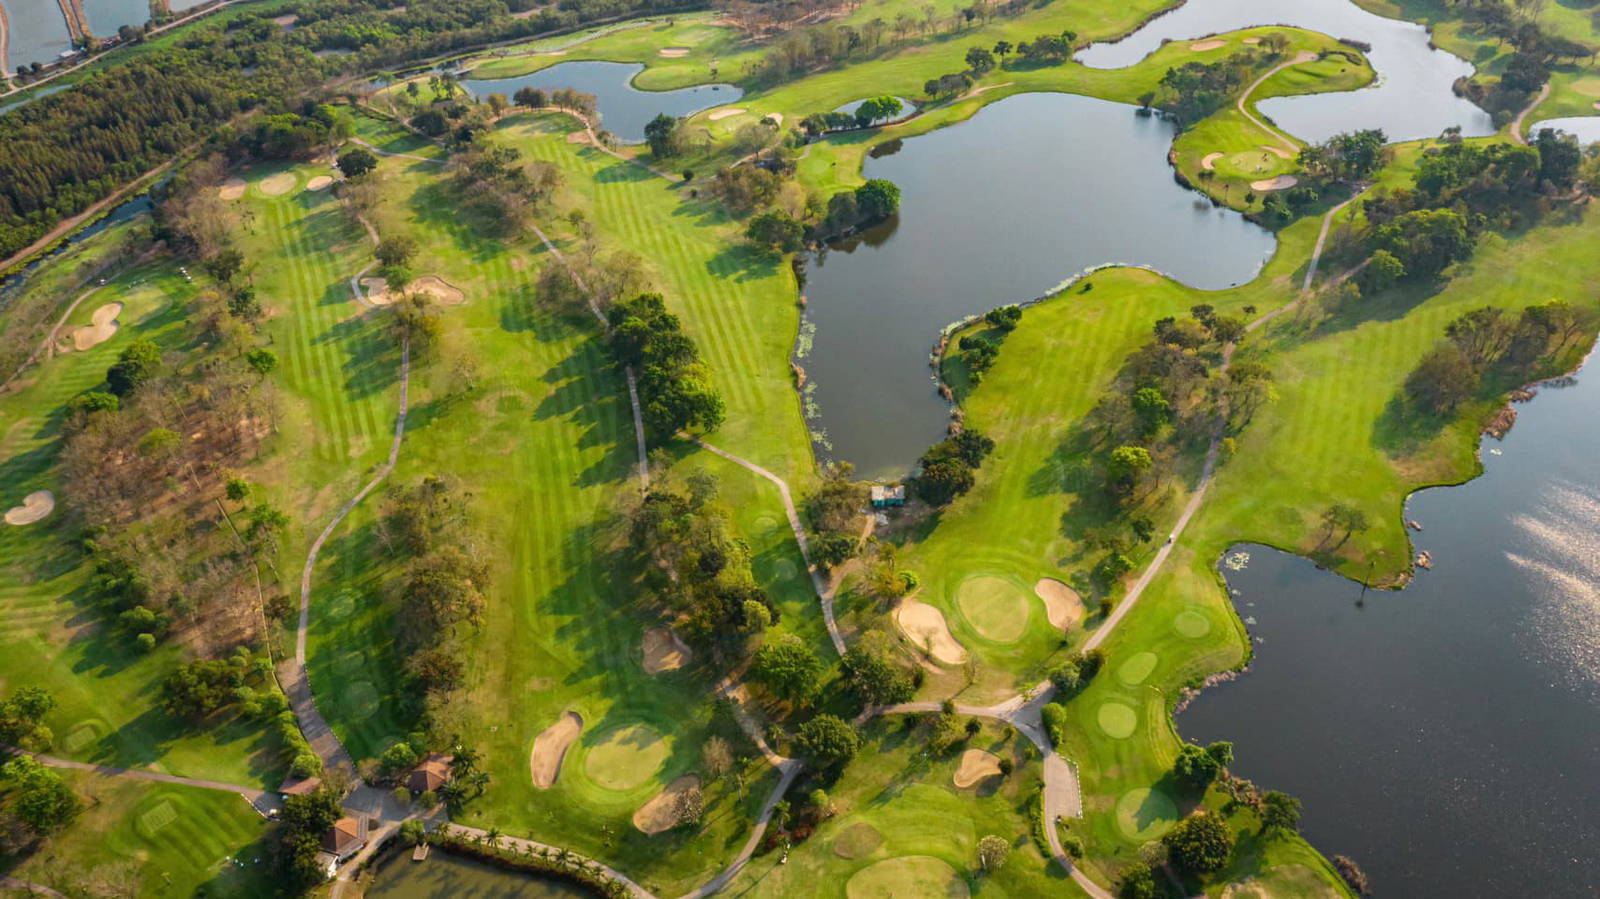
1516 126
1244 99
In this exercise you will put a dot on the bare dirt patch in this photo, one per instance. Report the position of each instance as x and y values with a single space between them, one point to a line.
35 506
724 113
1062 605
976 767
664 651
232 189
660 814
926 627
443 291
1282 182
1210 162
321 182
102 327
550 747
1203 46
578 137
277 185
674 52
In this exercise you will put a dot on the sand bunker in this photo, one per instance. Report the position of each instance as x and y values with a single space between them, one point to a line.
664 651
319 183
926 627
660 814
277 185
232 189
976 765
1203 46
1282 182
103 325
550 747
1210 162
724 113
1062 604
777 117
674 52
284 21
1252 40
444 292
1279 152
35 506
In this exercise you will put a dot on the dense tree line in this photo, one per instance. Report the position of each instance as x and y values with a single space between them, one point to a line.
675 389
948 469
63 152
1492 346
1515 22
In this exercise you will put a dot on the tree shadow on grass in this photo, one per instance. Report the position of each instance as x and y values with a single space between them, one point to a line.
1403 430
589 392
438 205
371 356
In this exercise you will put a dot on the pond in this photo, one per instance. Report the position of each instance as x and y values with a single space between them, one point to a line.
999 209
624 109
1585 128
1444 736
106 16
444 875
1412 98
38 32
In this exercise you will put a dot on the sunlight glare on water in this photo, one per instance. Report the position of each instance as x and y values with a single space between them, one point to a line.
1563 552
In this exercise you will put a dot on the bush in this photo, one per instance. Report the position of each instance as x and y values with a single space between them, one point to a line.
1200 844
1055 722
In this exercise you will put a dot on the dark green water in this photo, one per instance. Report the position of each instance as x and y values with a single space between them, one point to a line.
1447 736
445 875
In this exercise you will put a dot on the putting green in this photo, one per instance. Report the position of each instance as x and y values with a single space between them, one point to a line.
1191 623
1117 720
350 664
1137 667
625 757
81 735
857 840
783 569
361 698
1145 814
340 606
1588 87
153 819
766 524
994 606
909 875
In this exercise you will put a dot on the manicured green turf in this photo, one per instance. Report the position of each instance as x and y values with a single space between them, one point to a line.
50 635
165 840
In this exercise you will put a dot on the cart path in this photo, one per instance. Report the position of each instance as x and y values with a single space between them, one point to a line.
1516 126
1244 99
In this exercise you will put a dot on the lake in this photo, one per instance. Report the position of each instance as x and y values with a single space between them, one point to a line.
106 16
444 875
1585 128
1446 737
999 209
624 109
38 32
1412 98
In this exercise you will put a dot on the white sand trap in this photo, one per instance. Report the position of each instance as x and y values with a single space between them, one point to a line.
232 189
285 21
664 651
777 117
1252 40
1597 104
550 747
976 765
1210 162
1282 182
551 53
660 814
277 185
320 182
35 506
103 325
1062 605
1203 46
1279 152
926 627
724 113
447 294
674 52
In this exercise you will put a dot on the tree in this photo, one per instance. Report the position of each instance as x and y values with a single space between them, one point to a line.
1138 882
787 667
717 756
827 740
357 162
92 401
992 852
876 109
225 264
398 249
1383 271
1280 813
40 799
413 831
661 133
136 364
1127 464
871 673
940 482
1426 241
1524 73
1005 318
302 822
1200 844
1442 380
776 231
397 758
263 360
1347 518
980 60
431 122
877 199
1198 767
1152 408
22 718
531 97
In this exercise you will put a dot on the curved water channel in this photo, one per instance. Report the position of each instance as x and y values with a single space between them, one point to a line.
1446 736
624 109
998 209
1412 98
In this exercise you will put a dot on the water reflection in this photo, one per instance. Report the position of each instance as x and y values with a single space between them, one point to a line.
624 109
